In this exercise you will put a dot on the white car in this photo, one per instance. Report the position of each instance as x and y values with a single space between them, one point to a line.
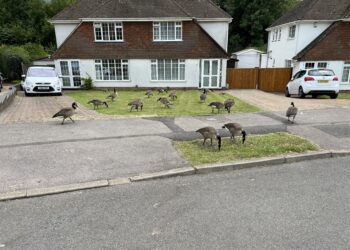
41 80
313 82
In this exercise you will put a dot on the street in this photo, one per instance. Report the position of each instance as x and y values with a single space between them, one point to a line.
292 206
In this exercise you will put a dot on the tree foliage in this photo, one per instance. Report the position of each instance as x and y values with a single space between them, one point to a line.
250 20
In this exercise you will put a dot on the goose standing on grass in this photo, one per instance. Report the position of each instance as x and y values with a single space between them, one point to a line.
66 112
149 93
97 103
136 104
173 95
235 129
228 104
113 95
203 97
216 105
164 101
292 112
210 133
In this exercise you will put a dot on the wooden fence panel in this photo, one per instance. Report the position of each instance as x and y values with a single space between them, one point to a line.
269 80
242 78
274 79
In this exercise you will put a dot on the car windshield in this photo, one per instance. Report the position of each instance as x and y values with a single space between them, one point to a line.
321 72
41 72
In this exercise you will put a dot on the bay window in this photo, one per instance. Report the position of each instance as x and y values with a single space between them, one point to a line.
112 70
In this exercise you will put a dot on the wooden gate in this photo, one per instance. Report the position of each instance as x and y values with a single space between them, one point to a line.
269 79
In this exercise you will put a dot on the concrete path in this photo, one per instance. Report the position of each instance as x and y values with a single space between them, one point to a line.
278 102
48 154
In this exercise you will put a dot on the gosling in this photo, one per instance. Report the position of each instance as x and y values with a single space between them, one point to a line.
66 113
161 91
216 105
228 104
173 95
210 133
113 95
97 103
292 111
235 129
164 101
136 104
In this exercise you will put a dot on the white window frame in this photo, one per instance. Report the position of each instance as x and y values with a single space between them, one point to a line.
346 68
288 63
118 28
309 63
322 63
292 31
100 63
157 32
155 66
70 74
279 34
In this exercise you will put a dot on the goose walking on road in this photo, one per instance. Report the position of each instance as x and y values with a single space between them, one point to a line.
292 111
66 113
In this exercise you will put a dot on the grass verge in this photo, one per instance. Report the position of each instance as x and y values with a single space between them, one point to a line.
344 96
256 146
187 103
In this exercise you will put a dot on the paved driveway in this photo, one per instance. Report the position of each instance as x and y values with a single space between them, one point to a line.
278 102
41 109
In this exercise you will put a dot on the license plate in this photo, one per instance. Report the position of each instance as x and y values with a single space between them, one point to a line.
323 81
43 88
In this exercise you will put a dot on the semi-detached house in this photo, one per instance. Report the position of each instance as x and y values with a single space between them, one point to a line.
148 43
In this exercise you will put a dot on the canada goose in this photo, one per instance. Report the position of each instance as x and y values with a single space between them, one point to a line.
292 112
173 95
203 97
210 133
216 105
164 101
97 103
235 130
161 90
113 95
66 112
149 93
135 104
228 104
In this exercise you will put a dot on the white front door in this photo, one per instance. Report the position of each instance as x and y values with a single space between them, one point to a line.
211 70
70 71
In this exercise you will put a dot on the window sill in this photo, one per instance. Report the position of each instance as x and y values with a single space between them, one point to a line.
162 41
291 38
168 81
121 41
113 80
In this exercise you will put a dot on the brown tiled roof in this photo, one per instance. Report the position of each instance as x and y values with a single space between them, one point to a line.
140 9
138 44
316 10
333 44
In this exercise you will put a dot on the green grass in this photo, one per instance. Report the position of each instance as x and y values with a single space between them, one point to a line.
256 146
187 103
344 96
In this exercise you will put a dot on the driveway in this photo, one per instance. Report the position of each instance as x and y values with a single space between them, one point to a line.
278 102
38 109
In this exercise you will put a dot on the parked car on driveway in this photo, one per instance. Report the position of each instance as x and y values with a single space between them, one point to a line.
313 82
41 80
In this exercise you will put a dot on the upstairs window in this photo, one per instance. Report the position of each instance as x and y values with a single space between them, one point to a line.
292 32
167 31
108 32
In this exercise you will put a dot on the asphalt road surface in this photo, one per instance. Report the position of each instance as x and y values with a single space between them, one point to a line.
292 206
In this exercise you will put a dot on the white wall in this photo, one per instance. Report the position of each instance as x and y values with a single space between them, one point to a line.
287 48
218 31
336 66
248 60
62 31
140 74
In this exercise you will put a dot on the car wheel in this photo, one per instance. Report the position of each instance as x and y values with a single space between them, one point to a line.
333 96
314 96
286 92
301 93
26 94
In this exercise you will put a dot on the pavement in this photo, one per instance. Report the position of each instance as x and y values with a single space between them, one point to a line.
301 205
42 155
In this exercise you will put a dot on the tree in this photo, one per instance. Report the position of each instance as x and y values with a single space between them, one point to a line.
250 20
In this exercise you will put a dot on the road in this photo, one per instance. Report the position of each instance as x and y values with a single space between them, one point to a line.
292 206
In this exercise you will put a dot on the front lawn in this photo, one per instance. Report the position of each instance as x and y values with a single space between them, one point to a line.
187 102
344 96
255 146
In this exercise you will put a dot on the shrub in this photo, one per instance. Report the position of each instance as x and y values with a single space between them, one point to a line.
88 83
